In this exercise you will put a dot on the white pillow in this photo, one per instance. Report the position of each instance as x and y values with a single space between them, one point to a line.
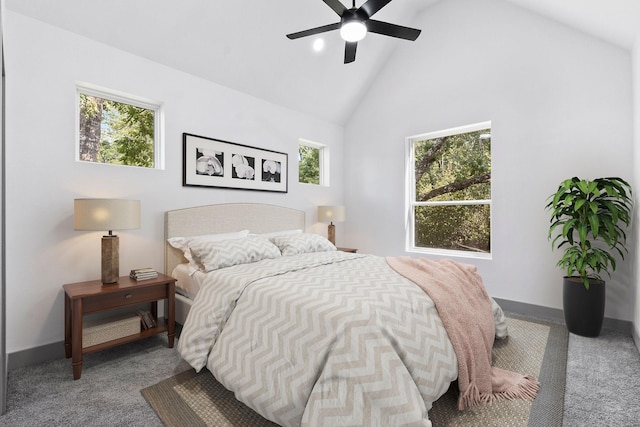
281 233
293 244
225 253
184 243
273 234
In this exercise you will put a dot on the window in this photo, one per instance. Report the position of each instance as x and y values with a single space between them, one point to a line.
449 191
313 163
118 129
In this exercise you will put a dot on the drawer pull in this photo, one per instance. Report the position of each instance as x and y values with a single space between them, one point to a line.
127 296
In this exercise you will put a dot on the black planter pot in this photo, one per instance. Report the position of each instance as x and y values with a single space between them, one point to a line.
583 308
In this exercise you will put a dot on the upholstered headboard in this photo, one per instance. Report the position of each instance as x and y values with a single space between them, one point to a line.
225 218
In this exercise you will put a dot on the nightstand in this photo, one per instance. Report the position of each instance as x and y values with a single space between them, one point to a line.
352 250
94 297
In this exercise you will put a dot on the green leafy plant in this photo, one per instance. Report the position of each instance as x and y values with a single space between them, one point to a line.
586 219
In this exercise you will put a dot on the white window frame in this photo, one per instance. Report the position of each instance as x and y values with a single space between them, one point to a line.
125 98
323 158
410 195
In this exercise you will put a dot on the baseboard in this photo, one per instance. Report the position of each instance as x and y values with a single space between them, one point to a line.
545 313
556 315
33 356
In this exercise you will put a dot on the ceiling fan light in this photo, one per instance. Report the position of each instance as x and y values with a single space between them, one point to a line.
353 31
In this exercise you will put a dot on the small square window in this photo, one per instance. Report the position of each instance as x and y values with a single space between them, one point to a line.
118 129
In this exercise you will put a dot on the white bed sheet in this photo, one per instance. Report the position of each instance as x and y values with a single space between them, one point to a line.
188 283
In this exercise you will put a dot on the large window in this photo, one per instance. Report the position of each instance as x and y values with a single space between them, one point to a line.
313 163
449 191
118 129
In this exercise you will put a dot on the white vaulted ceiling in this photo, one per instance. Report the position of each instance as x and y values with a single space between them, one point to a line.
615 21
241 44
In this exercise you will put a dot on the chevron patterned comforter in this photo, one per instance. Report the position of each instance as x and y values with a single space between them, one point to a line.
322 339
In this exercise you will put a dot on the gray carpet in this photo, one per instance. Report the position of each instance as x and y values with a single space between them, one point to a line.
603 385
603 381
107 394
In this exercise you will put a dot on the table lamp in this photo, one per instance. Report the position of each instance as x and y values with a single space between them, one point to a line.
107 215
330 214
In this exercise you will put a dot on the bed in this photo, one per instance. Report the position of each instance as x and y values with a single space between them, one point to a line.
306 334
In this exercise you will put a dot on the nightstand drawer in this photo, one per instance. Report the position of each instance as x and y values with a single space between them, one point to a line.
120 299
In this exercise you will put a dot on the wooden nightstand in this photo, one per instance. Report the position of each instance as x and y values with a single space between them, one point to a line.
93 297
352 250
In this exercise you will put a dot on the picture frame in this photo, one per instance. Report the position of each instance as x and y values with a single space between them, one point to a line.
209 162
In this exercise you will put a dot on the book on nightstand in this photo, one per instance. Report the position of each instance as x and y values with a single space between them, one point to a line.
147 319
143 274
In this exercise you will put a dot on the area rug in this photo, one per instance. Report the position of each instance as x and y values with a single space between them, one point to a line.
533 346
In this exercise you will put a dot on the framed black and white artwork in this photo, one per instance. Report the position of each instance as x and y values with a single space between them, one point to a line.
209 162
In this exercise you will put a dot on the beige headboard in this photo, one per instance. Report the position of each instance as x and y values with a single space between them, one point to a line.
225 218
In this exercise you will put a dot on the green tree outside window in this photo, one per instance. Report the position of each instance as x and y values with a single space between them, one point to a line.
452 187
116 133
309 164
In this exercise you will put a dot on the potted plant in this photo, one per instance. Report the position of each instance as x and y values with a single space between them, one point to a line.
586 220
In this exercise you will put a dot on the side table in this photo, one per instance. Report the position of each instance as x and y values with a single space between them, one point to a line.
94 297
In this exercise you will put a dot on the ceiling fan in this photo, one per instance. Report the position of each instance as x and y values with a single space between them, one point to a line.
356 22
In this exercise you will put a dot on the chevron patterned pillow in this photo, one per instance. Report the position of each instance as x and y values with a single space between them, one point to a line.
273 234
293 244
226 253
184 243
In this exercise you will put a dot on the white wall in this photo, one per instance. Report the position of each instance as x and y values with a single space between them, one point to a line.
560 104
43 64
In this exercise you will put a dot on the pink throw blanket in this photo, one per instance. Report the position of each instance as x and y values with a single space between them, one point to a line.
465 309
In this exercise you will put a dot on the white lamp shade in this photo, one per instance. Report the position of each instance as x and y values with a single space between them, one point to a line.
331 213
106 214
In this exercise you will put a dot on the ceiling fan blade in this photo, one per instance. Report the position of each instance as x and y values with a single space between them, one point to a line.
350 52
392 30
313 31
336 5
372 6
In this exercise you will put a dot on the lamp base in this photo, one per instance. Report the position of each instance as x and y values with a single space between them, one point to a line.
110 259
331 233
